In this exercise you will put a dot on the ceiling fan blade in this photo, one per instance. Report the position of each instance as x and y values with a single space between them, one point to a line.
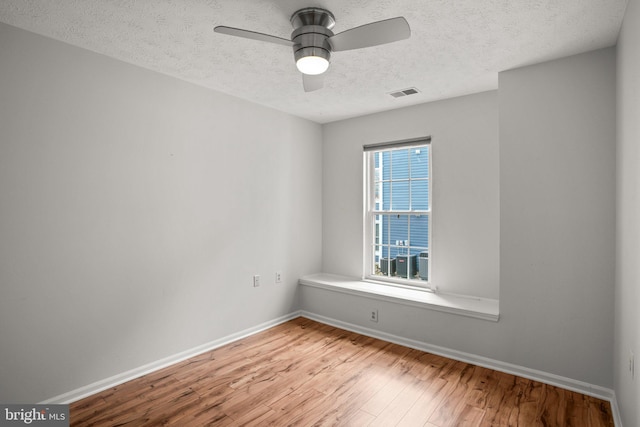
312 82
373 34
252 35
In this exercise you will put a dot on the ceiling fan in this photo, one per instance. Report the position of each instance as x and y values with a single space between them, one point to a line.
313 41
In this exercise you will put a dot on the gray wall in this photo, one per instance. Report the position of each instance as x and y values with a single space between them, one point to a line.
556 215
557 210
627 330
135 209
466 216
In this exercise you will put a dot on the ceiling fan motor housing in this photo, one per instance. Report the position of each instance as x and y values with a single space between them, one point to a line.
312 29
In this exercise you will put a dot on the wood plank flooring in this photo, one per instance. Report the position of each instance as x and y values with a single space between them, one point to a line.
304 373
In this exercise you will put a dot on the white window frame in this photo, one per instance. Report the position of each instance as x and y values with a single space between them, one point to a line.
370 213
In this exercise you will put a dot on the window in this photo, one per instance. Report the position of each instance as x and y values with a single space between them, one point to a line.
397 225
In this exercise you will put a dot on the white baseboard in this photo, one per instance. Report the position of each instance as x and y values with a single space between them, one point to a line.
617 419
115 380
521 371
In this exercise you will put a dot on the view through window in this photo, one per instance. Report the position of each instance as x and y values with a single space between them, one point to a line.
398 212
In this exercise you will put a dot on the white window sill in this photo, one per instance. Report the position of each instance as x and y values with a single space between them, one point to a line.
480 308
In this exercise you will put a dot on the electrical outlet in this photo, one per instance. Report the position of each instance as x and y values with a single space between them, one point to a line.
256 281
278 277
374 315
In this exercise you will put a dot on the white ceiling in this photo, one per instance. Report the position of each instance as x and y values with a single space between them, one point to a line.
456 47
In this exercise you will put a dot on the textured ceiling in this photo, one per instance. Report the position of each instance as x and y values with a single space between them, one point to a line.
457 47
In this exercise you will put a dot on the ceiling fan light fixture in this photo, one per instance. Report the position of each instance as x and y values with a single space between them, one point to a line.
312 65
312 60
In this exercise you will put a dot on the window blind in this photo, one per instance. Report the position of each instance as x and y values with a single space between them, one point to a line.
407 143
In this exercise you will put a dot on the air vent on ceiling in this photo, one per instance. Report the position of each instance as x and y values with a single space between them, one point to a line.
404 92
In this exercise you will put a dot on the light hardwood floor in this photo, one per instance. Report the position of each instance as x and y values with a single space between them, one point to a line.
305 373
